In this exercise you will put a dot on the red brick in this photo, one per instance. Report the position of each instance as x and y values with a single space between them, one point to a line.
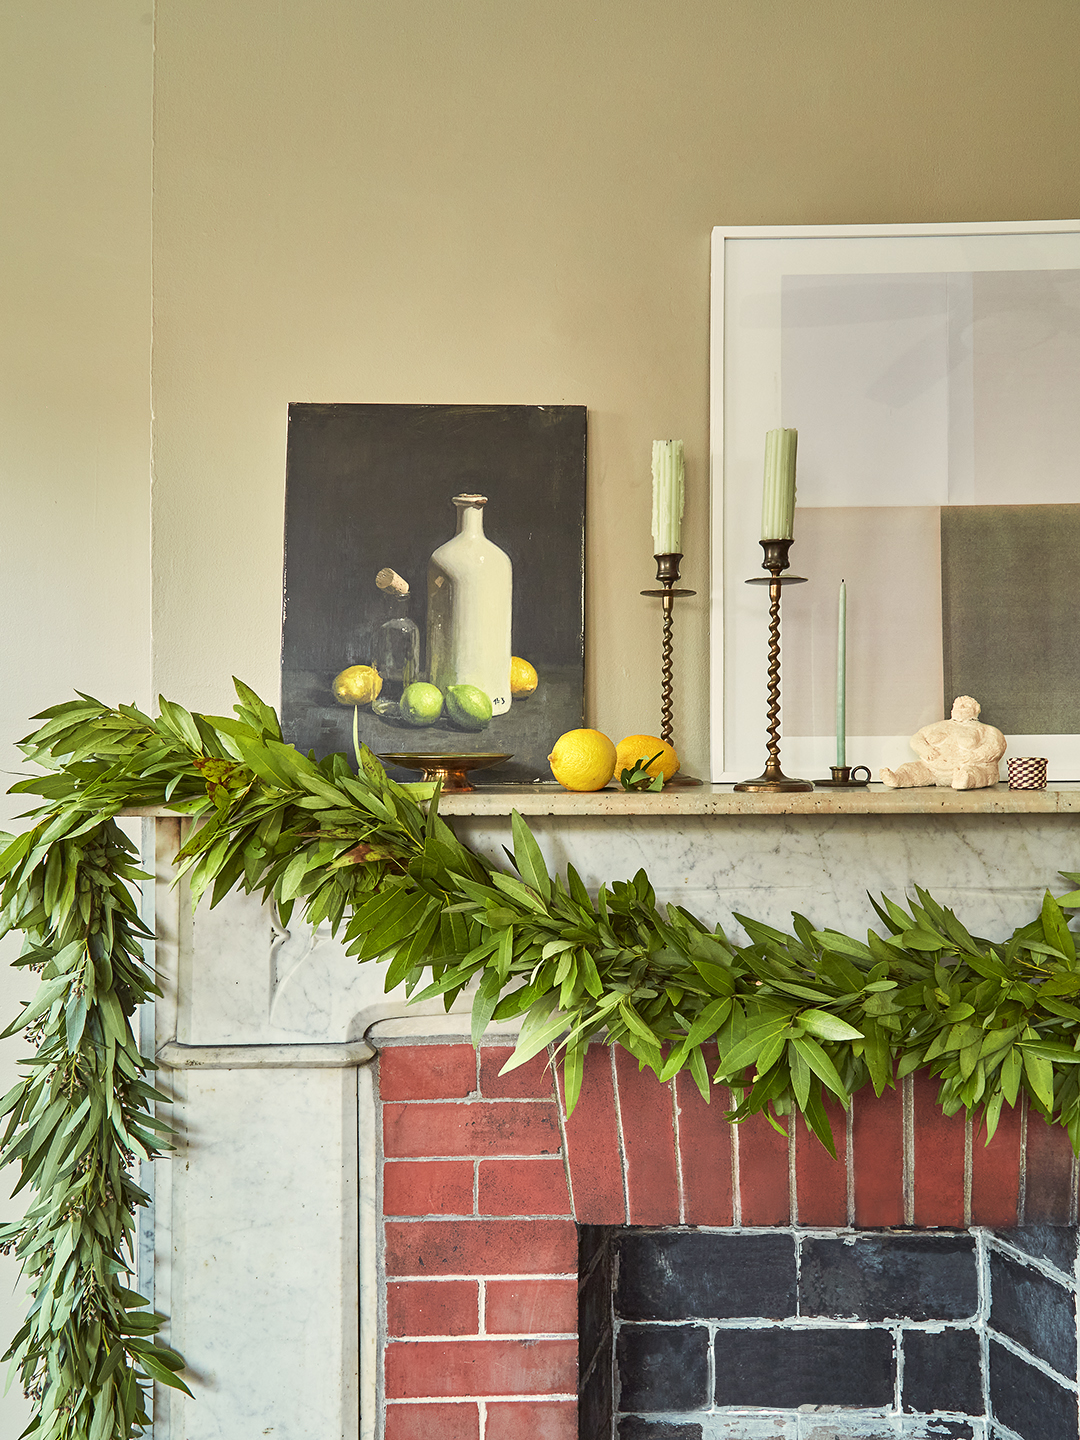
523 1187
939 1157
821 1181
877 1135
428 1187
532 1420
504 1127
481 1247
649 1141
763 1173
1048 1191
995 1171
421 1422
433 1307
704 1151
427 1072
531 1307
417 1368
592 1140
535 1080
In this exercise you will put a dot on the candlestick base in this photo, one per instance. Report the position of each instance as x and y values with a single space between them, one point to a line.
772 778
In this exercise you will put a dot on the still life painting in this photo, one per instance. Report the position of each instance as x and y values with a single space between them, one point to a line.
434 581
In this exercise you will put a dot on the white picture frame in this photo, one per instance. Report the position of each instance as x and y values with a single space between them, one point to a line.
750 268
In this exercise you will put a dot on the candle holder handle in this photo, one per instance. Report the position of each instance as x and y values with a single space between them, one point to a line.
772 778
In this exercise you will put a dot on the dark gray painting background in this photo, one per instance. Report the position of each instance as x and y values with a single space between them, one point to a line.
369 486
1010 593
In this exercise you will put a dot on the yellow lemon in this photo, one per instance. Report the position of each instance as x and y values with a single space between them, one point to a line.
358 685
644 747
583 760
523 678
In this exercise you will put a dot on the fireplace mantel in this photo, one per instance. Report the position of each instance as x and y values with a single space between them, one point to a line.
264 1233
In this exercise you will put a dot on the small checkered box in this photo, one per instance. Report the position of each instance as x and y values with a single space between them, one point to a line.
1027 773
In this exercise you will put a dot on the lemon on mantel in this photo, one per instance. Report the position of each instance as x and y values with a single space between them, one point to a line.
582 760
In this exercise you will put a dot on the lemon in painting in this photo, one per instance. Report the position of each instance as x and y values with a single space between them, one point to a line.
358 685
468 707
523 678
582 760
644 747
421 703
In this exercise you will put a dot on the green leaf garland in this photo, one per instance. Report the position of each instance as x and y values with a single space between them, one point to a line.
787 1021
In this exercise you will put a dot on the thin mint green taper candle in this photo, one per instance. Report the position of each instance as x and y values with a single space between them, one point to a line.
778 495
841 677
669 484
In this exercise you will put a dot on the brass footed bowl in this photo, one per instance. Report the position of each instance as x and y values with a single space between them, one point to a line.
452 770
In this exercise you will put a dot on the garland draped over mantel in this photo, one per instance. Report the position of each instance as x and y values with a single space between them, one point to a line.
785 1020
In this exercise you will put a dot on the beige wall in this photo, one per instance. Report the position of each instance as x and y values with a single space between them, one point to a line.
75 131
492 201
427 200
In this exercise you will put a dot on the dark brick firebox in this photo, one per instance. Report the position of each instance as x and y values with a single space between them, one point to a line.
798 1334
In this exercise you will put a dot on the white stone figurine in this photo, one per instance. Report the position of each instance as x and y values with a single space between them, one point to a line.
960 752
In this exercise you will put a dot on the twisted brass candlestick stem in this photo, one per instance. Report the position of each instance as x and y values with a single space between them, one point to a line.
667 572
772 777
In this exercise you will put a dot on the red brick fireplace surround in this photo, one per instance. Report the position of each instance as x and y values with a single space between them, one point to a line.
484 1183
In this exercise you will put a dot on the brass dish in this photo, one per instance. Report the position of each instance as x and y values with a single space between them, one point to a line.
450 769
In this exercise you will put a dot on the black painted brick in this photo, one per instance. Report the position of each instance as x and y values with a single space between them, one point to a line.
781 1368
1028 1401
1056 1243
1034 1310
878 1277
594 1308
663 1367
942 1371
677 1275
595 1400
632 1427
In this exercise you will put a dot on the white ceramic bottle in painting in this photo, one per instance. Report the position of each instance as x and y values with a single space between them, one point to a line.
470 591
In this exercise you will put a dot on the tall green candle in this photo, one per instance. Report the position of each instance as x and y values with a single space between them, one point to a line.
669 483
778 495
841 677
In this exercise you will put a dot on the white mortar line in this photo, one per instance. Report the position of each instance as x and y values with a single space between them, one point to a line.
673 1082
736 1197
982 1312
908 1181
969 1160
624 1163
849 1160
1033 1360
792 1183
560 1110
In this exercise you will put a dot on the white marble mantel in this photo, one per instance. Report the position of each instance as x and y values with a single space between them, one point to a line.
264 1223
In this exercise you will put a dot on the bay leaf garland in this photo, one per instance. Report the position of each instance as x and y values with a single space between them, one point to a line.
788 1020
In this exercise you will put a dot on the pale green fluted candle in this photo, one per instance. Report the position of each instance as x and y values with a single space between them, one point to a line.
778 496
668 494
841 677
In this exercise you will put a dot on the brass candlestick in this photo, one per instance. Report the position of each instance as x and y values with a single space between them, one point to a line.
667 572
775 561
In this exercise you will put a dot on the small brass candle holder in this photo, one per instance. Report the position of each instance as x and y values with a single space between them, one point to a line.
772 778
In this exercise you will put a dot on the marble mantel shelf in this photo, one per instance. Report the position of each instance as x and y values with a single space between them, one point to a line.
721 800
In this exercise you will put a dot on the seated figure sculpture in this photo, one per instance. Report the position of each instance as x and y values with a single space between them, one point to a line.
960 751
